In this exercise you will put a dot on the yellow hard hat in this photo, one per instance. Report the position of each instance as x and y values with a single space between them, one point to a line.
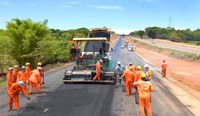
139 67
27 63
143 75
39 64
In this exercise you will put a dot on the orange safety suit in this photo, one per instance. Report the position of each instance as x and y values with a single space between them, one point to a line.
15 73
28 71
144 88
133 69
9 79
98 71
137 78
74 47
22 76
129 81
164 68
34 80
14 94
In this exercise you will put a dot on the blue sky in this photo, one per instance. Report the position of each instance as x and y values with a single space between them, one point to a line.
122 16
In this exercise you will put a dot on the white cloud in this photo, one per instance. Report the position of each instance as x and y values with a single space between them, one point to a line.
73 3
105 7
32 4
6 3
69 4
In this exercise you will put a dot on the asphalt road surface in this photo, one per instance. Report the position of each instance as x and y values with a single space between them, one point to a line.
163 45
94 99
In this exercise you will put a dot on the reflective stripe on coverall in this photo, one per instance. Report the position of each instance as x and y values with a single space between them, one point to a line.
34 80
144 88
14 94
98 71
164 68
129 81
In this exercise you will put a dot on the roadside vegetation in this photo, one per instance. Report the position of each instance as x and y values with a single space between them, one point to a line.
186 36
27 41
173 53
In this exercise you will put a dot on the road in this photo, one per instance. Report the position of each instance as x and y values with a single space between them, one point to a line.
164 45
94 100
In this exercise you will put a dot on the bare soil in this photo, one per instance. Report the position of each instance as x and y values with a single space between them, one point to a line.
186 72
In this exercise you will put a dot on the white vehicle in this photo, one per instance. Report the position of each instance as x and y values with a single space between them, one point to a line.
122 47
131 48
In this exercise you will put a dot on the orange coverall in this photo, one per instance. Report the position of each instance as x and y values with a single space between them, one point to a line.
145 88
14 94
98 71
129 81
9 79
28 71
133 69
22 76
34 80
15 73
137 78
164 68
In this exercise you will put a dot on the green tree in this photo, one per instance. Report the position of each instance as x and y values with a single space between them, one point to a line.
25 35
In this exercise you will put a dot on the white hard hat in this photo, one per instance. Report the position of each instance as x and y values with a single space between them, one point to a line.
20 83
39 68
100 60
146 65
130 63
23 67
118 62
16 66
10 68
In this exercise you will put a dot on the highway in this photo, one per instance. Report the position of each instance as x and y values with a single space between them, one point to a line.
170 46
94 99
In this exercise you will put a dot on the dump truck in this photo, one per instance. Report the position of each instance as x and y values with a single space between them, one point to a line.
90 50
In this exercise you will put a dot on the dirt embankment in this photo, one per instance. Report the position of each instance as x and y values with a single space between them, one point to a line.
186 72
113 38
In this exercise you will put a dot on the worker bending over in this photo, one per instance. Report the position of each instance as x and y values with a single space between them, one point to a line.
144 87
129 81
13 93
98 70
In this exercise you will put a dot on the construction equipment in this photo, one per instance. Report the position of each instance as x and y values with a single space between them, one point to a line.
90 50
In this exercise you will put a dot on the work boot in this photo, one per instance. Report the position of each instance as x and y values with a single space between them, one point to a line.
9 110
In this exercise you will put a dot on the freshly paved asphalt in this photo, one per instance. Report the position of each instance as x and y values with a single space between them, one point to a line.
94 99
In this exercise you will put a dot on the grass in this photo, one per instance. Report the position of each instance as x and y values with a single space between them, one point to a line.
194 42
2 82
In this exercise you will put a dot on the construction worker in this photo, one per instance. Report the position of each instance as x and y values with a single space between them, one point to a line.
35 80
132 67
164 68
9 77
138 77
144 87
28 70
14 94
129 81
22 76
138 73
98 70
41 72
148 71
15 73
120 70
73 51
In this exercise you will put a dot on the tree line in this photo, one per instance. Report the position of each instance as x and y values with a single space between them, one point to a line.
27 41
172 34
